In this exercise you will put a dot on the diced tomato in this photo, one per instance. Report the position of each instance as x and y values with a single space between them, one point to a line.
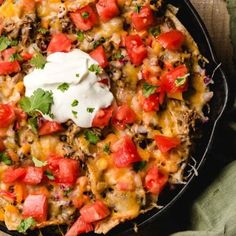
79 227
84 18
99 55
171 40
155 181
26 56
6 66
103 117
34 175
168 80
123 116
11 175
49 127
124 152
7 194
94 212
35 206
1 1
151 103
59 43
144 19
53 162
150 76
136 49
165 143
2 146
107 9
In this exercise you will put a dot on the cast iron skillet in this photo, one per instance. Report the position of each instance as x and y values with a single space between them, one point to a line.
191 20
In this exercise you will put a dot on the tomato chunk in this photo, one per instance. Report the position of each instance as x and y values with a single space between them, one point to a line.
26 56
124 152
123 116
151 103
169 81
11 175
165 143
99 55
94 212
7 115
136 49
79 227
103 117
155 181
171 40
36 206
107 9
59 43
34 175
144 19
49 127
84 18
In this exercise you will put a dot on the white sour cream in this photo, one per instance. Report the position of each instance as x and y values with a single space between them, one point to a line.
70 68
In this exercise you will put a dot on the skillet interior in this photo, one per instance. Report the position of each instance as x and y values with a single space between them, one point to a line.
191 20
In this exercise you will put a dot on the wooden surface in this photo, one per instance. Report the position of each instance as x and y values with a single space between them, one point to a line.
215 15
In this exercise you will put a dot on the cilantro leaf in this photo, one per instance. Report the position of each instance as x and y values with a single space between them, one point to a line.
49 174
5 158
85 14
181 80
99 42
118 56
33 122
75 103
106 148
40 101
75 113
15 57
155 31
80 36
139 165
67 191
26 224
90 109
42 30
38 61
137 8
38 163
148 89
91 137
4 43
63 87
95 68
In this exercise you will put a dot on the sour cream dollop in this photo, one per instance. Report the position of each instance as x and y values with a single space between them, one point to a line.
85 94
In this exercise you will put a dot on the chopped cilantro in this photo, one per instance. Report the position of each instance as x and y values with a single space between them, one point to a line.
181 80
139 166
99 42
42 30
26 224
137 8
63 87
148 89
39 163
75 113
67 191
5 158
80 36
77 75
49 174
85 14
106 148
75 103
40 101
90 109
38 61
15 57
91 137
118 56
33 122
4 43
14 42
95 68
155 31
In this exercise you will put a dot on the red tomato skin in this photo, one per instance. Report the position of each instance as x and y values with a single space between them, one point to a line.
171 40
7 53
50 127
102 117
124 152
34 175
165 143
36 206
144 19
155 181
26 56
136 49
79 227
151 103
81 23
94 212
11 175
7 115
122 116
168 80
107 9
59 43
99 55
